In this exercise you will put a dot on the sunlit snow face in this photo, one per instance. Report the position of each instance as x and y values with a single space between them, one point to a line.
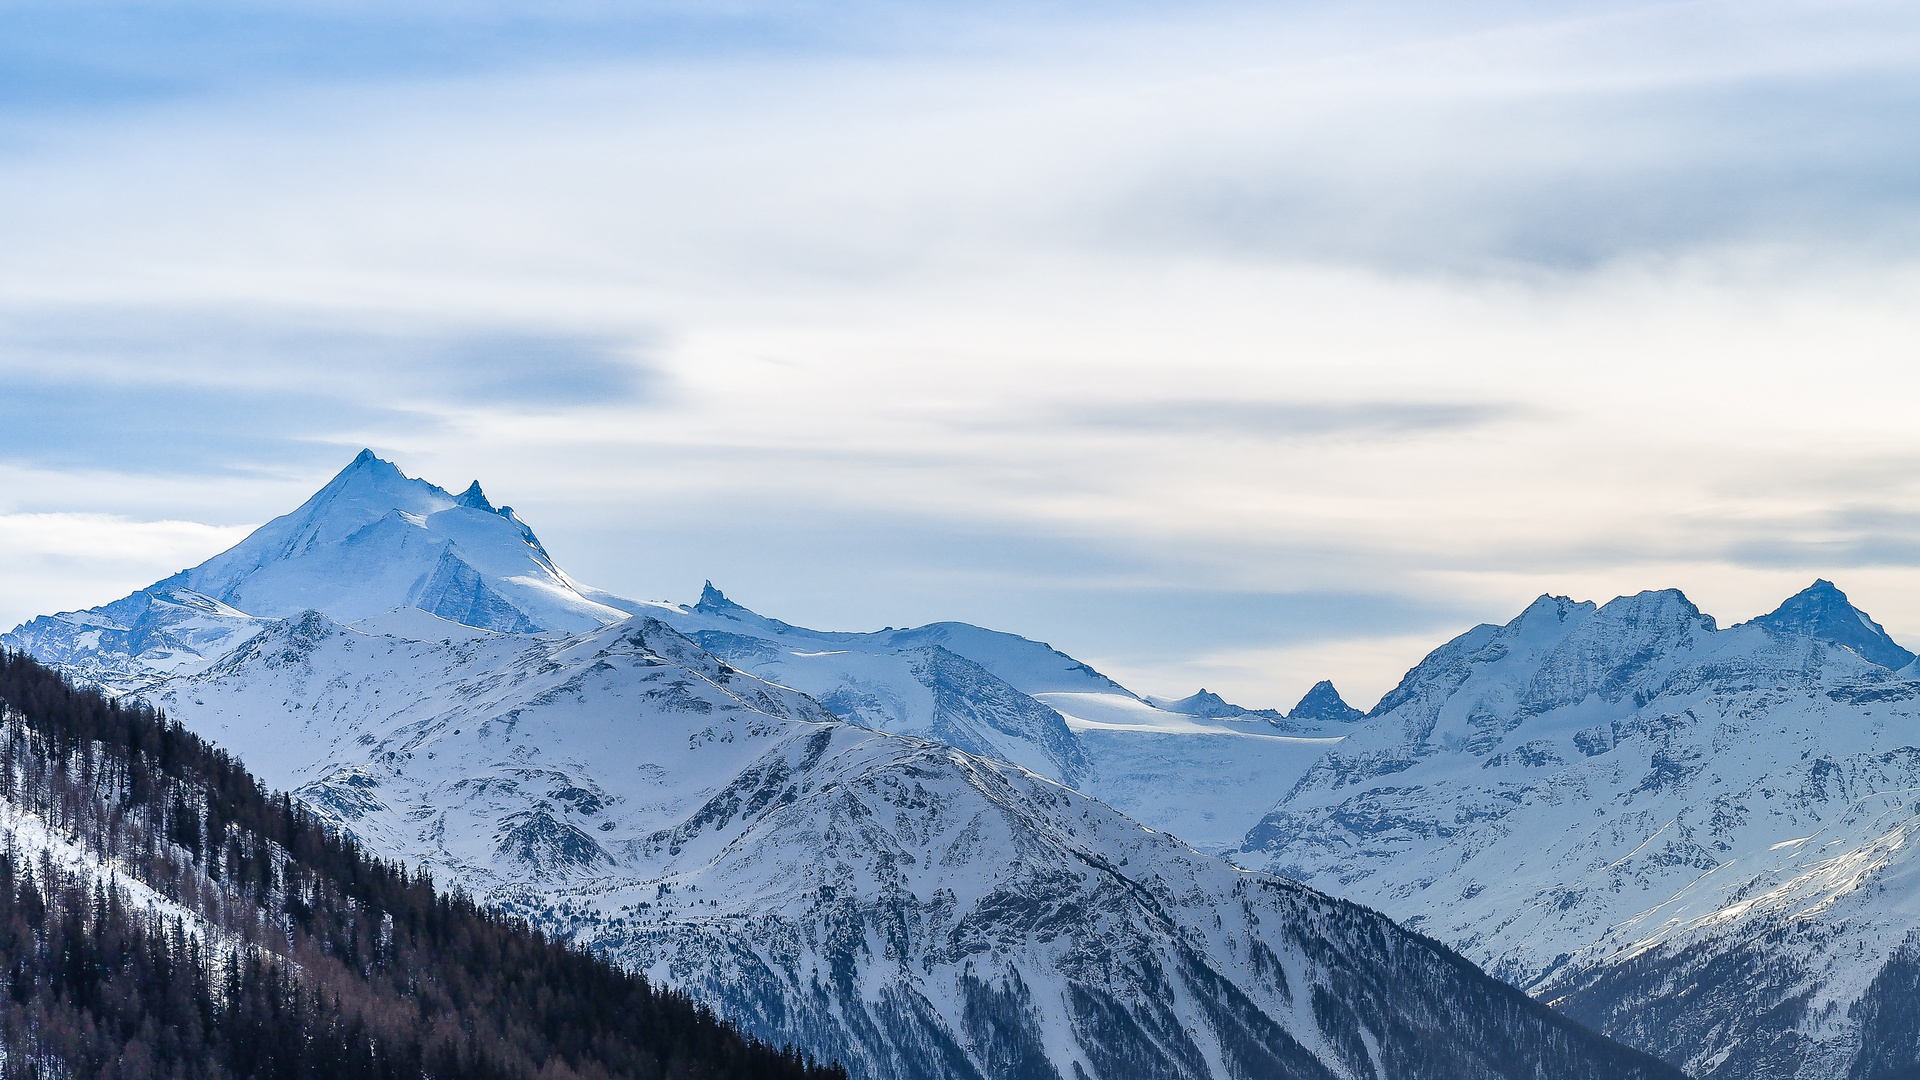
1234 347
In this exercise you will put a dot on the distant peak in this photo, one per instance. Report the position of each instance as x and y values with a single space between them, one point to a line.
475 498
367 465
1822 595
1823 588
715 602
1652 603
1323 702
1205 703
1823 612
1211 706
1550 608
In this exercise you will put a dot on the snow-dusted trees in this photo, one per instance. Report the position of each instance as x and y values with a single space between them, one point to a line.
162 916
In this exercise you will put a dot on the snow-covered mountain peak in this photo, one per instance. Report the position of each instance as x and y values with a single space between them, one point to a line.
1624 798
1548 610
714 602
476 499
373 539
647 637
1656 611
1204 703
368 489
1324 703
1822 611
1556 652
370 541
1652 617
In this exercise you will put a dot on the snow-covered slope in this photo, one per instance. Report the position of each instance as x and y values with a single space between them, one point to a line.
136 641
37 847
914 910
1205 778
1694 837
905 681
369 541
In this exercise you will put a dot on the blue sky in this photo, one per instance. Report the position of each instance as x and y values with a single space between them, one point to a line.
1215 343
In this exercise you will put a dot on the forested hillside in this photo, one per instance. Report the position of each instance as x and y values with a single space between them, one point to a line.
163 916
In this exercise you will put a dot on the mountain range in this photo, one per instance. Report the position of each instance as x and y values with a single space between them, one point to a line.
949 851
877 851
1693 837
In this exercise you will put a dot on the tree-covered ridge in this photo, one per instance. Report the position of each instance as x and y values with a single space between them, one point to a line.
290 953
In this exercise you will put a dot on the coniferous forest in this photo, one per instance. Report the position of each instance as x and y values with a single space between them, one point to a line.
163 916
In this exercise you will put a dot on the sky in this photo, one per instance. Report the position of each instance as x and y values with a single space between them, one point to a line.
1235 345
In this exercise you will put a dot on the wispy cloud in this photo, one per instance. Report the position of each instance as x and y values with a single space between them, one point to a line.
467 364
173 428
1293 420
63 561
1554 178
82 537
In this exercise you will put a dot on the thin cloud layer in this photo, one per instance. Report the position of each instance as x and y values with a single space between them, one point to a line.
1291 420
61 562
154 391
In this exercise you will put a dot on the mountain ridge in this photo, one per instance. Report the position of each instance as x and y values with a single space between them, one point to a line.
1608 804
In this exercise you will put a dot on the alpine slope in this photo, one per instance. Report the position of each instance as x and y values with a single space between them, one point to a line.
1696 839
1003 696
